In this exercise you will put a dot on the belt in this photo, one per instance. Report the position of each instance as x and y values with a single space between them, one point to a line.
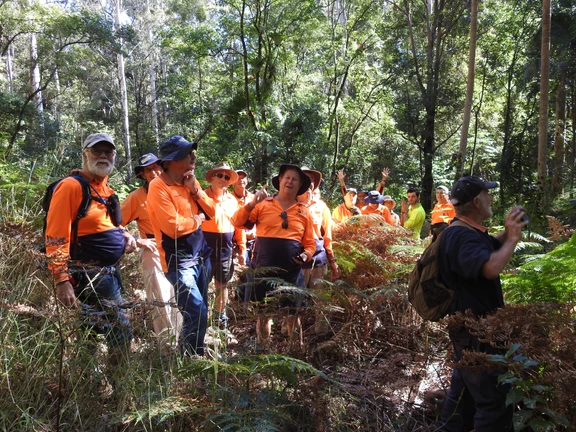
100 271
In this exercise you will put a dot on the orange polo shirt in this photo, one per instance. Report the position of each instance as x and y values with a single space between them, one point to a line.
381 210
442 213
341 213
225 207
178 234
99 241
322 222
266 217
242 201
134 208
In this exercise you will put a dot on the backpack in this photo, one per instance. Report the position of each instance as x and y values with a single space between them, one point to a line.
427 293
82 208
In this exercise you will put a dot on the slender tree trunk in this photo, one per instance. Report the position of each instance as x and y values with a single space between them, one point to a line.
573 152
153 104
10 68
469 90
124 99
35 74
543 114
559 141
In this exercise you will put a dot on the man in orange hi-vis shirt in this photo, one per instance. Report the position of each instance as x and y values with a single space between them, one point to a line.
178 206
374 205
83 254
442 213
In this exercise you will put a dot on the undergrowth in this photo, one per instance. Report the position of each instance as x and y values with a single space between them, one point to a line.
371 370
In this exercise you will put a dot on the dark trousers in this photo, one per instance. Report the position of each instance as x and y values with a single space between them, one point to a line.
99 292
191 289
475 400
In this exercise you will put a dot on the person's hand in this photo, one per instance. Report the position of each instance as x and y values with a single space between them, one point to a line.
65 294
241 259
146 243
300 258
385 174
261 195
404 206
199 218
335 270
129 242
341 175
513 224
190 181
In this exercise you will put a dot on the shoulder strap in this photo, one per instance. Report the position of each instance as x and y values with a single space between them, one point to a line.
82 212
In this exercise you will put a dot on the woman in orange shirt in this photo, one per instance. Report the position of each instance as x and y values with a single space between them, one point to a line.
284 235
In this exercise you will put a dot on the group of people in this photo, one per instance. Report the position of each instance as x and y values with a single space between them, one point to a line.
189 236
412 216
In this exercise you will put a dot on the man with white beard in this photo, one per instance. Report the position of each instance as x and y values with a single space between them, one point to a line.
83 252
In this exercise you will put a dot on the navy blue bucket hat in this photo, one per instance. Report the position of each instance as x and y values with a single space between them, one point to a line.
374 197
146 160
176 148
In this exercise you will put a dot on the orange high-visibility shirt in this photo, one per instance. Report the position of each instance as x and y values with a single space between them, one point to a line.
266 217
442 213
225 206
99 241
172 208
134 208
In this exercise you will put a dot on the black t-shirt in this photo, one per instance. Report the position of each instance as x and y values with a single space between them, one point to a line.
463 252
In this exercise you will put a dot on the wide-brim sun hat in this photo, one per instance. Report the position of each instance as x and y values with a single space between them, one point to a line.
374 197
176 148
222 166
316 176
303 177
146 160
388 198
93 139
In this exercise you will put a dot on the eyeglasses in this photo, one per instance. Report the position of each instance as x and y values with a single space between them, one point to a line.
97 152
220 175
284 217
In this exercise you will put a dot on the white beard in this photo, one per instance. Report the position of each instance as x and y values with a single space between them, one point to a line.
97 168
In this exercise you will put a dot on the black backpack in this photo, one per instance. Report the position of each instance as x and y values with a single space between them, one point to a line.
427 292
82 208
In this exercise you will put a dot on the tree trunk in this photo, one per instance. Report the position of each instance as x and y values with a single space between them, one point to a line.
10 68
124 99
559 141
543 115
573 152
153 104
469 90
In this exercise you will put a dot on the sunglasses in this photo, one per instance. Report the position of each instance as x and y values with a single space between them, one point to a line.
220 175
97 152
284 217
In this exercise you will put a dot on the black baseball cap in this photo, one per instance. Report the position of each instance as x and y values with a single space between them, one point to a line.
467 188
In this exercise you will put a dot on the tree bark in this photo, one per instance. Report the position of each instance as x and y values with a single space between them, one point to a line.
469 90
123 99
543 114
559 141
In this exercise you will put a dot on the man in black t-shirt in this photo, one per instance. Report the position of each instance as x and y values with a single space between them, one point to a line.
470 262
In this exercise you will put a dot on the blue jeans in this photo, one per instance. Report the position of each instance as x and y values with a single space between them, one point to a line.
101 302
191 289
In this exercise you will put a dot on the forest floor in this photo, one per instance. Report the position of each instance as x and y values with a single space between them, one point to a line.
378 366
